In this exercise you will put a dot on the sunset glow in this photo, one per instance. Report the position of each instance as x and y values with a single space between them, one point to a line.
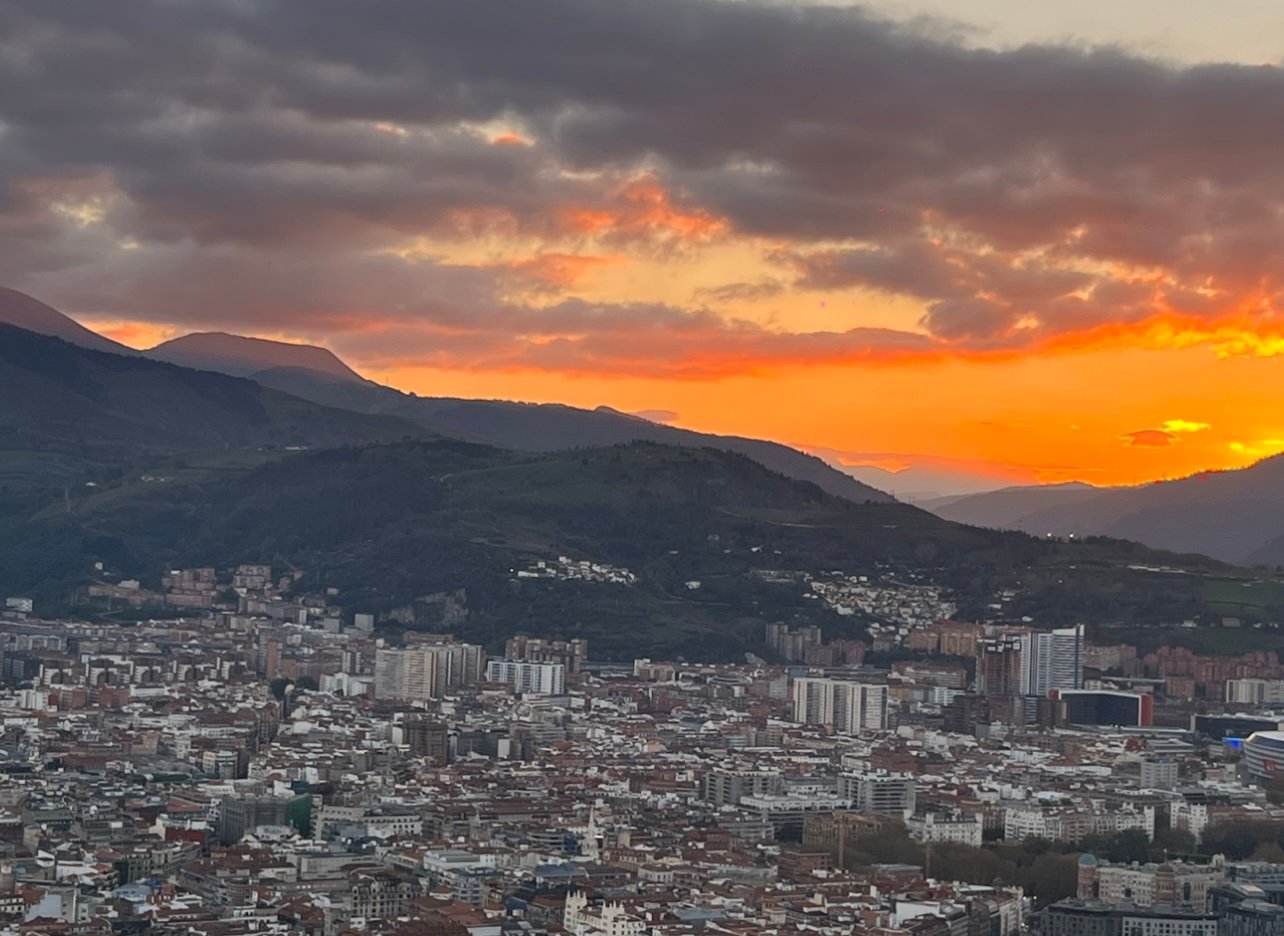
1038 263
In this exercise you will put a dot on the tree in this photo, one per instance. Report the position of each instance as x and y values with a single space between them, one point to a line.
1128 846
1174 841
1238 840
972 865
1051 878
890 846
1268 851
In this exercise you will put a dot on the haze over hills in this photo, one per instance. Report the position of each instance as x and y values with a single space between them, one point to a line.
919 483
1007 507
316 374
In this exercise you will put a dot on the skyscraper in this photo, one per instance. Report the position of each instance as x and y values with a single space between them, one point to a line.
1016 669
1052 660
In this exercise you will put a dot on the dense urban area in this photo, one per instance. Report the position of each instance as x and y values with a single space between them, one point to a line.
263 760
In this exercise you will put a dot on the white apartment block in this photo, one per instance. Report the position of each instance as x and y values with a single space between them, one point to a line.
889 794
844 705
523 676
960 828
1255 691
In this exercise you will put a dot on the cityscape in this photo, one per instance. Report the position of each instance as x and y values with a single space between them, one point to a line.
264 762
641 468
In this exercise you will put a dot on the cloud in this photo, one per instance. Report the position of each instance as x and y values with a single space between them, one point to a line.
1262 449
251 166
557 272
1149 438
1170 434
741 292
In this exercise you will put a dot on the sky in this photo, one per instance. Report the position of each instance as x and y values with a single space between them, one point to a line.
952 244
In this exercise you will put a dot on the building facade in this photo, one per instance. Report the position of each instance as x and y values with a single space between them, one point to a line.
427 672
846 706
523 676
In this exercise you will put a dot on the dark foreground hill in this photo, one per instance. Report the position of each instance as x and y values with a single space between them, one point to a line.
416 527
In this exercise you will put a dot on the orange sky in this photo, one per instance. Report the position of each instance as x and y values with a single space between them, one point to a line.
1044 418
1002 256
1047 416
1109 402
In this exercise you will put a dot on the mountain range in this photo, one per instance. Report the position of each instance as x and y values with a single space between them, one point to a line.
283 453
317 375
22 311
1236 516
410 527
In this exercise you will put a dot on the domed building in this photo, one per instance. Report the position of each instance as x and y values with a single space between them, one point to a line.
1087 889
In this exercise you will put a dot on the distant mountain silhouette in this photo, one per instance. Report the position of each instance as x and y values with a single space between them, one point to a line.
317 375
22 311
59 397
1236 515
1007 507
244 357
550 427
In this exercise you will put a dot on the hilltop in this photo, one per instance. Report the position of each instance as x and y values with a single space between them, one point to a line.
1235 515
239 356
22 311
71 417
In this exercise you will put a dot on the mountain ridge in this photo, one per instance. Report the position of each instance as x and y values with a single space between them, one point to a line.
549 427
405 521
1234 515
30 314
74 418
243 356
319 376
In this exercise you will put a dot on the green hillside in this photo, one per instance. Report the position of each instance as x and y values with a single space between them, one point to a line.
394 524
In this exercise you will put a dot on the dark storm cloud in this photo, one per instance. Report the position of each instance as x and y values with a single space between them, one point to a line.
290 140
